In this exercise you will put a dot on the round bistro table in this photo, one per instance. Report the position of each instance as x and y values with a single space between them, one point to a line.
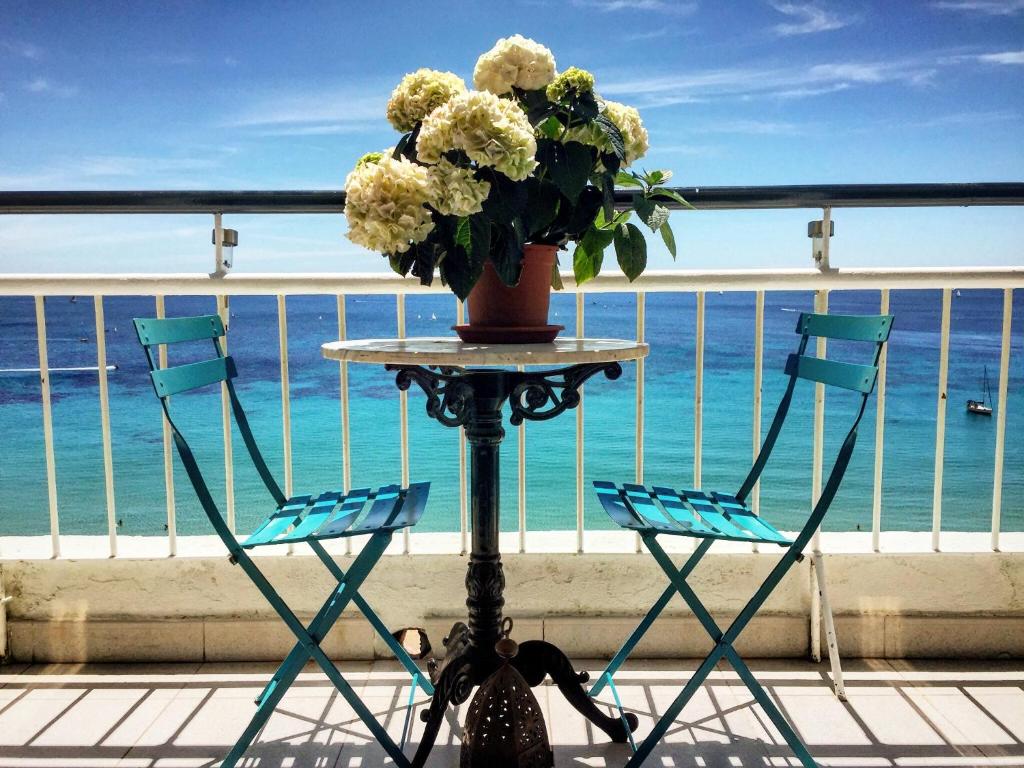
467 385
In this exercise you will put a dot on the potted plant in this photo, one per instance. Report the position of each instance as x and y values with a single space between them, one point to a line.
486 185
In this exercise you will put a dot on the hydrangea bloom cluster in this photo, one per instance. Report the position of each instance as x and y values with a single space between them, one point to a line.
627 120
514 61
456 191
419 94
480 173
385 203
573 80
493 132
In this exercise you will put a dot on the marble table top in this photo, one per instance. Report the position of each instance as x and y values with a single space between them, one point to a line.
450 351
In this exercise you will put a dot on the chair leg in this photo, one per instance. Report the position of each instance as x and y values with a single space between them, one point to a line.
423 681
818 568
723 648
627 647
309 646
777 718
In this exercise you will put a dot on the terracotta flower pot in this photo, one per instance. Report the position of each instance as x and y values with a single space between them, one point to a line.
501 314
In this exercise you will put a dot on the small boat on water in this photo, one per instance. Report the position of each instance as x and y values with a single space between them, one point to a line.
982 407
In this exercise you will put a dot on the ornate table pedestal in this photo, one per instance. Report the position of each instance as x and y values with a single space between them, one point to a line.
473 397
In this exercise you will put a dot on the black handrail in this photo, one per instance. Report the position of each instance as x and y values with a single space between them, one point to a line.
702 198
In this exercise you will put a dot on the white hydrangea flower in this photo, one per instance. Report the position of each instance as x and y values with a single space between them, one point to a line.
493 132
634 135
457 192
627 120
419 94
514 61
385 204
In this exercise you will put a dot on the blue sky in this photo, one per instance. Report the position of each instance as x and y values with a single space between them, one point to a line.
279 96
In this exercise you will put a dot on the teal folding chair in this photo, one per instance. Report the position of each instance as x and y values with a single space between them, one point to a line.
711 516
333 514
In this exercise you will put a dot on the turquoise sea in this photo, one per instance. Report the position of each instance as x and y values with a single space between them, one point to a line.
550 446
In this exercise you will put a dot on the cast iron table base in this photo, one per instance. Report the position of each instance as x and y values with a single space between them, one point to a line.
473 398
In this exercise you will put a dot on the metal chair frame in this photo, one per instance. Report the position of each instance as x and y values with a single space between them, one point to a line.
333 514
723 517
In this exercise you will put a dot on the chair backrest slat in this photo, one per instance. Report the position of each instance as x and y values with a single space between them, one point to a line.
172 330
851 327
860 378
180 378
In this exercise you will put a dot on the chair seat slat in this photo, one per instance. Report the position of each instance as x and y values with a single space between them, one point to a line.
180 378
713 516
350 509
611 499
678 508
414 504
287 514
742 515
643 503
860 378
318 514
384 503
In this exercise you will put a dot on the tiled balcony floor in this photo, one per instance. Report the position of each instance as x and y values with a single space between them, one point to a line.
925 714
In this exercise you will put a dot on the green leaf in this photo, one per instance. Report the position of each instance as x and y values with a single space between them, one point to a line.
463 234
630 250
650 213
671 194
624 179
541 207
401 262
583 214
614 135
569 165
589 254
507 257
608 189
506 200
669 238
556 276
551 128
584 106
604 224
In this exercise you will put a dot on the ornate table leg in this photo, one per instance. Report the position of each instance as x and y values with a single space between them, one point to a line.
474 399
537 658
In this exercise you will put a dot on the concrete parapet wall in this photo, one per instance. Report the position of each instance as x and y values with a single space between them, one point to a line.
200 607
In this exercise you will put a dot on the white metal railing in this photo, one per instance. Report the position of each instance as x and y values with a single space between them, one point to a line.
341 285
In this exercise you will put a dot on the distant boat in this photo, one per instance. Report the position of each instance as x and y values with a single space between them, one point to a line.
982 407
74 299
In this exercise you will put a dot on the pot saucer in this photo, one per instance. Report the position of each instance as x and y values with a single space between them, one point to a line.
505 334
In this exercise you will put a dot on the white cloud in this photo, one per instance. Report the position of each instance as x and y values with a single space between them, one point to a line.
982 7
809 18
42 85
89 170
1004 57
679 7
753 128
22 49
294 112
745 83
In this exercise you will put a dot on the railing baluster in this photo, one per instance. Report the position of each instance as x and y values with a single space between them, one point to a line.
579 435
1004 376
108 459
403 410
820 307
940 418
698 395
286 404
460 318
876 507
755 492
225 417
51 462
641 332
346 448
172 523
522 481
